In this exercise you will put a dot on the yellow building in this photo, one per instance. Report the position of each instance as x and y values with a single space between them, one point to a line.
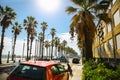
108 48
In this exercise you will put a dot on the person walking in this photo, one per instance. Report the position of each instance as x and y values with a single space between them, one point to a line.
69 69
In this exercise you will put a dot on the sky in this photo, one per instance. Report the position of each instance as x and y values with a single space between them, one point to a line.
50 11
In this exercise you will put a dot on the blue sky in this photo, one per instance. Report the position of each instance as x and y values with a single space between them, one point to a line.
52 12
58 19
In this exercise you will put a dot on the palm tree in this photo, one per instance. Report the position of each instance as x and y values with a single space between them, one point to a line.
29 24
83 22
40 38
56 42
32 37
70 50
53 30
44 27
16 29
47 44
7 15
64 45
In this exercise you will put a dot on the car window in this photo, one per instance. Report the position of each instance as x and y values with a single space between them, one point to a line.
55 70
30 72
58 69
61 68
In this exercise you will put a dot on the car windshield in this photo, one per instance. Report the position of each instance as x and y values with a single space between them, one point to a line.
31 72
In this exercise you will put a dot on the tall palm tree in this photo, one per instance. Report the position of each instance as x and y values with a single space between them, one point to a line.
70 50
64 45
53 30
44 27
29 24
47 44
7 15
16 29
56 42
83 22
32 37
40 38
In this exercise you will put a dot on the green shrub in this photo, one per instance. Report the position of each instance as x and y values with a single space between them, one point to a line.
98 71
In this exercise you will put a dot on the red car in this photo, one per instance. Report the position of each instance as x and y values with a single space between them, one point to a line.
39 70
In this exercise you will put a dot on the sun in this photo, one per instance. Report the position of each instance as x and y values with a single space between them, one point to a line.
48 6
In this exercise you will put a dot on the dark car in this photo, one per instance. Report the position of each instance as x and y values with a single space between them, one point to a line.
63 59
75 60
39 70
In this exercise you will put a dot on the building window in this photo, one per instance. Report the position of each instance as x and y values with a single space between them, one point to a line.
118 41
106 48
99 49
116 18
109 27
96 51
110 45
104 31
103 48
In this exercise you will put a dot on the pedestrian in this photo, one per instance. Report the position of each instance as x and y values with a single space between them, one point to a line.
69 69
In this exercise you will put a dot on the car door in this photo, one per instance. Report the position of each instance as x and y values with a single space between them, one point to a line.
59 72
63 72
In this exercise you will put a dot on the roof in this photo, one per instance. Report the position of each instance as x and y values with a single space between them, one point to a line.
40 63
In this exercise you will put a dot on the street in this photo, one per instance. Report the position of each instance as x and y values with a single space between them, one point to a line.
77 71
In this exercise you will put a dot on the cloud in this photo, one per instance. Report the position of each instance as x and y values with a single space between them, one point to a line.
19 44
71 43
8 46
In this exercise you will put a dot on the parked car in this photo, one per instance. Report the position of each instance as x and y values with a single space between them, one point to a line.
39 70
75 60
63 59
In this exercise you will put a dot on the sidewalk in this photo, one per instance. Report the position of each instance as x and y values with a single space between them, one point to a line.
11 63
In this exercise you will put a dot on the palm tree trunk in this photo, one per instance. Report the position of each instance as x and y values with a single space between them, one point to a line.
47 52
30 49
27 46
40 49
1 47
88 48
43 44
13 55
52 48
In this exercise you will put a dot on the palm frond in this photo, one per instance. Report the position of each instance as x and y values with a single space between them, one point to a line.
71 10
105 17
76 18
77 2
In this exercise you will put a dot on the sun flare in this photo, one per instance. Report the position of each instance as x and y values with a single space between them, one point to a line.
48 6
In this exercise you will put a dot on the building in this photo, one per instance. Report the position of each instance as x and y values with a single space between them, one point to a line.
107 44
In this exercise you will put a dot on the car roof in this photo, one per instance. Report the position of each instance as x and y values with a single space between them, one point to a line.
40 63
